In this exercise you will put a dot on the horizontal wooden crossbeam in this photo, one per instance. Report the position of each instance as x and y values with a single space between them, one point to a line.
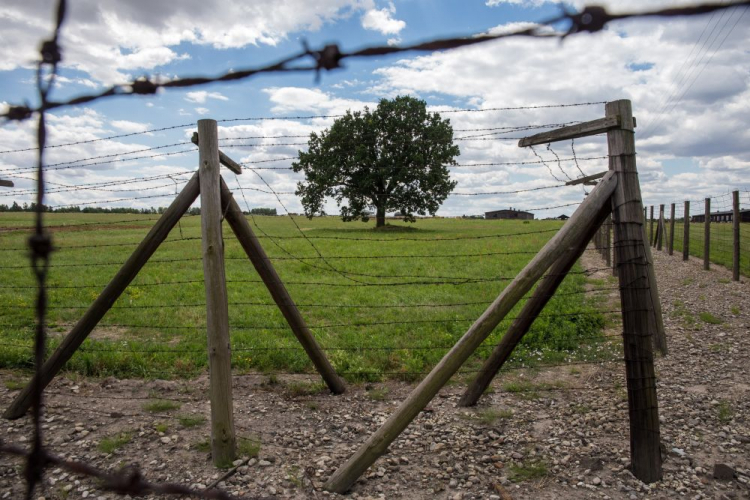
571 132
223 159
586 180
6 183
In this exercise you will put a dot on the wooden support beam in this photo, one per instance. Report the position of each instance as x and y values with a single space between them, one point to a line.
223 159
6 183
572 132
585 180
288 308
686 232
223 441
736 235
573 231
543 293
636 297
109 295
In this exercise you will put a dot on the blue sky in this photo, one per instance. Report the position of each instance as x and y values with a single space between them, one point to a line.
688 80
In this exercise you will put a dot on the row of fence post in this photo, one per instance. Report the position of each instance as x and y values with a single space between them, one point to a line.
657 234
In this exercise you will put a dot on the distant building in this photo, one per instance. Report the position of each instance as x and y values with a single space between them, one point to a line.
511 214
726 216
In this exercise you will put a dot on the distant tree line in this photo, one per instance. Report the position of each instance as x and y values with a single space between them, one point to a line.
74 209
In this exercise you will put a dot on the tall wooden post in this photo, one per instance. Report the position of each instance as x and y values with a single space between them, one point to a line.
670 249
660 230
223 445
377 444
707 235
686 231
109 295
651 235
636 298
736 235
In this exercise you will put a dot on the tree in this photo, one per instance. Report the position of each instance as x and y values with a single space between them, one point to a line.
393 158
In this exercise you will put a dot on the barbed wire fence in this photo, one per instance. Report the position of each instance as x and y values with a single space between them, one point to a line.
131 482
721 241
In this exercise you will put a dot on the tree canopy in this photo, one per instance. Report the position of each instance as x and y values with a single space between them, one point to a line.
394 158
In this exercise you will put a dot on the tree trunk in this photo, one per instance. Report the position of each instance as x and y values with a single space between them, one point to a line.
380 217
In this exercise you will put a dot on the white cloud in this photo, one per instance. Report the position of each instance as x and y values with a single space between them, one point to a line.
115 40
202 111
128 126
200 96
298 99
382 20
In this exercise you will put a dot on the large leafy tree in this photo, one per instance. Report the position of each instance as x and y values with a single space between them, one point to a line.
393 158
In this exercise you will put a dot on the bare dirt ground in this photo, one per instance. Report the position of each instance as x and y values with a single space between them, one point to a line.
568 439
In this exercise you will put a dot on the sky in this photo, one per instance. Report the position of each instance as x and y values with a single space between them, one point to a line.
688 80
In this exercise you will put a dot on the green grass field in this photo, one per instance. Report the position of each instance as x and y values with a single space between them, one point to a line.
722 243
371 324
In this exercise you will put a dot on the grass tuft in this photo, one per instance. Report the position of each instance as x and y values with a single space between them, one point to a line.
191 420
112 443
528 471
161 405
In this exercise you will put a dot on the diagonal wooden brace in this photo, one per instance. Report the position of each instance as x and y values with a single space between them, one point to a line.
530 311
574 230
109 295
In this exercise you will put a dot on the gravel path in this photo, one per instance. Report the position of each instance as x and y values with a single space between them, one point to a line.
564 435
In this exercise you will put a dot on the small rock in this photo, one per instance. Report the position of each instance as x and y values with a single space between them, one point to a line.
723 472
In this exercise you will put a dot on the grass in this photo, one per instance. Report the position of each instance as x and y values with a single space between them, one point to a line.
725 413
377 393
203 446
248 447
528 471
735 310
161 427
15 385
709 318
370 334
161 405
189 421
489 416
306 388
111 444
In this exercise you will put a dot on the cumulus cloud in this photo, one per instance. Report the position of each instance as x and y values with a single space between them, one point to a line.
113 40
382 20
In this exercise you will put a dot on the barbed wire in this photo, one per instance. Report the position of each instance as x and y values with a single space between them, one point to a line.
590 20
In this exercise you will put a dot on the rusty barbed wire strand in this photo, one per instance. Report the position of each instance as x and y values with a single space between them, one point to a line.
590 20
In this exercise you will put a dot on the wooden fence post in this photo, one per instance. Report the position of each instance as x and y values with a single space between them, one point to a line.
736 235
520 326
652 236
670 249
660 230
636 298
707 235
108 296
686 231
223 444
377 444
279 293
